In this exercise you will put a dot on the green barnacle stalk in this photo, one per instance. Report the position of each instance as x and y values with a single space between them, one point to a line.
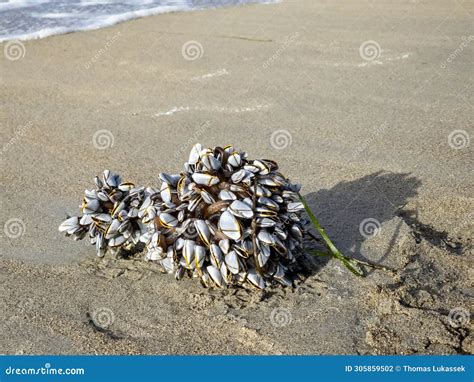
349 263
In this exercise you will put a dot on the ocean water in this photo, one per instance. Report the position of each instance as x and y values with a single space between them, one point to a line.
30 19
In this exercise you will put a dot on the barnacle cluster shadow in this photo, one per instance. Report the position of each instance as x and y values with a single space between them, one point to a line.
342 208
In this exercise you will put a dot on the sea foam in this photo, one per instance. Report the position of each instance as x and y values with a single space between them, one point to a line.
32 19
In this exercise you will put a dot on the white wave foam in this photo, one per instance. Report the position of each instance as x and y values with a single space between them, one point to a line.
32 19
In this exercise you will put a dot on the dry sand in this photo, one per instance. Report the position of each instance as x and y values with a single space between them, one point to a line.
369 139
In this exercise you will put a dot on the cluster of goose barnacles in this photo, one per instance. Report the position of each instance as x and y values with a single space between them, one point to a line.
226 219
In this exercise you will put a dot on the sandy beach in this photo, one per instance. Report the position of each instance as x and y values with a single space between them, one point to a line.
368 105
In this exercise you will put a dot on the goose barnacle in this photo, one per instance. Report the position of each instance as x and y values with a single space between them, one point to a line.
226 219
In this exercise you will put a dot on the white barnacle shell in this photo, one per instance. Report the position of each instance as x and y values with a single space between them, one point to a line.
203 230
199 256
205 179
294 207
116 241
266 237
194 156
227 195
232 262
168 220
241 209
229 226
216 255
168 264
210 162
234 159
224 245
255 279
263 254
215 275
188 252
113 229
171 179
165 192
69 224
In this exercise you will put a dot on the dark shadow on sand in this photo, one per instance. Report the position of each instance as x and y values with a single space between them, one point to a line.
341 209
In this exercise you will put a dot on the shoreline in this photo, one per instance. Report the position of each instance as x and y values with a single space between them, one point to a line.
118 19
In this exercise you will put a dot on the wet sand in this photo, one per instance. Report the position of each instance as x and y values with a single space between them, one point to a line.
369 107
